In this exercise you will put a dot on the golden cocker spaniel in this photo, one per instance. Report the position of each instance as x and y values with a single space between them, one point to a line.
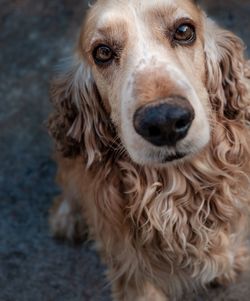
151 124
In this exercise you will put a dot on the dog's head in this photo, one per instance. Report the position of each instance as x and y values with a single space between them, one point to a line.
158 72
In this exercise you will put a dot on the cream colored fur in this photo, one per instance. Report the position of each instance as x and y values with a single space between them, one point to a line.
162 229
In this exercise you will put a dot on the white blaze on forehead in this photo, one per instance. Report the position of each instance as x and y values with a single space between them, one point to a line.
149 4
134 10
140 3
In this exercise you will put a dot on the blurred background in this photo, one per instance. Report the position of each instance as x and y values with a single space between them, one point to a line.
34 36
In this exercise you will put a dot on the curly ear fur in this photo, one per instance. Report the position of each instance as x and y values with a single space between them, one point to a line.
226 73
79 123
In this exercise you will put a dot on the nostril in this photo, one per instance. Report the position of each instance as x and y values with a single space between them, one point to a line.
154 131
183 123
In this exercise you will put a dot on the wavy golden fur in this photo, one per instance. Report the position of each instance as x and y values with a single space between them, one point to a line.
161 228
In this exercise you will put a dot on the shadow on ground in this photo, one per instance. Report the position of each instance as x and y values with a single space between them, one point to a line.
33 266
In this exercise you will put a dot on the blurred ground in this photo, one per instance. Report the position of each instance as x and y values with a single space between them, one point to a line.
33 266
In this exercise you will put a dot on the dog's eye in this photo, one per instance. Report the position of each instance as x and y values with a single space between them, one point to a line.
185 34
103 54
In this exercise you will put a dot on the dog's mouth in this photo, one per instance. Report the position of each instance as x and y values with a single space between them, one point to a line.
174 157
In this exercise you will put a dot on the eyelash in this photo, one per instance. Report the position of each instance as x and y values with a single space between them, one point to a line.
103 62
189 39
114 47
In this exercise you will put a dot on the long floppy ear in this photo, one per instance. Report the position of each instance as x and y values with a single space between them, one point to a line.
79 123
227 81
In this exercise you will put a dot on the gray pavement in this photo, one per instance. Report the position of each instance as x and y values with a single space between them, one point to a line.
34 35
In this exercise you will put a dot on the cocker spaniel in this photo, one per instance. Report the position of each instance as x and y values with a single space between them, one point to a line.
151 124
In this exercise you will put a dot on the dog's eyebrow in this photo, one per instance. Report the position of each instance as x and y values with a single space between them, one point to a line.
111 31
163 11
166 14
114 31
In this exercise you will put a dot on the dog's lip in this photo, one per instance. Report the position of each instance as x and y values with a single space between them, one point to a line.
176 156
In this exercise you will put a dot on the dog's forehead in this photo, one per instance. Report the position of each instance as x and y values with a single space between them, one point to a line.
126 9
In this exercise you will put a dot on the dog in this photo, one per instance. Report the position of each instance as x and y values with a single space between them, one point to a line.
151 124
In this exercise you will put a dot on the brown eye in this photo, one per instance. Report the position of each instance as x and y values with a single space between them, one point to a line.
103 54
185 34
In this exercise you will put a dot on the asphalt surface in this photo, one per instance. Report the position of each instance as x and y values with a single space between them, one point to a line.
34 35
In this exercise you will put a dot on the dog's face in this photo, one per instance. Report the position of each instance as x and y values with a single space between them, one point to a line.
147 59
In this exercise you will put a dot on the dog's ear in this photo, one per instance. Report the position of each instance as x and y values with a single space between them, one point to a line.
79 122
226 77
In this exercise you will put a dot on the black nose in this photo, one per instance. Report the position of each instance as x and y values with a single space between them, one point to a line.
166 123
